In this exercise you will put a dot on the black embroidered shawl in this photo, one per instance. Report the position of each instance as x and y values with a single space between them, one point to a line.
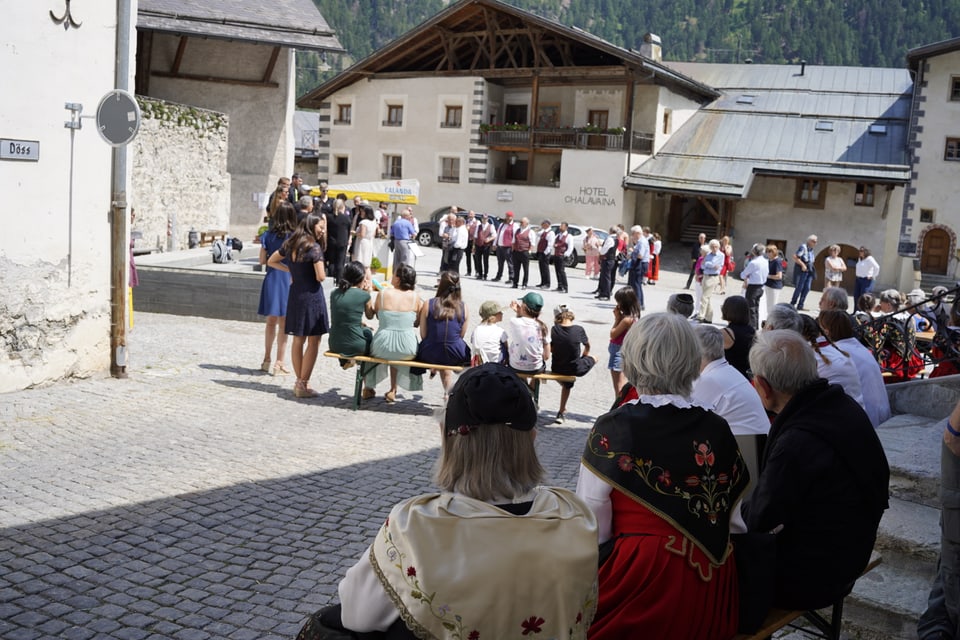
684 464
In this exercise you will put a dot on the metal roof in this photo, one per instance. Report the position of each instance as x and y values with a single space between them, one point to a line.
832 122
290 23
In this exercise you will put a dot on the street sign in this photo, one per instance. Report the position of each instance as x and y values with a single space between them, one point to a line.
20 150
118 117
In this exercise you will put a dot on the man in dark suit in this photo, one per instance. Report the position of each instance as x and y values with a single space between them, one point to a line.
296 189
338 240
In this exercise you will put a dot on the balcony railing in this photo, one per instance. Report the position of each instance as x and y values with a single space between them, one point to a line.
392 123
567 139
391 175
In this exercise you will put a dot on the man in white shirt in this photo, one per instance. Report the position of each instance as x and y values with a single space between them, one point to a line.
504 246
754 276
867 272
544 253
459 238
711 267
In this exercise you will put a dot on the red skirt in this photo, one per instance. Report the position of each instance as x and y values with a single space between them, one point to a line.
660 585
653 271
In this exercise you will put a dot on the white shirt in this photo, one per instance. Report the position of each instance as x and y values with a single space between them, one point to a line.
867 268
548 232
608 243
502 229
875 400
642 249
485 341
841 371
460 237
525 343
725 391
756 271
569 240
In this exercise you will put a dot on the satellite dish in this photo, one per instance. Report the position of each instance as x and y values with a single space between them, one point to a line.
118 117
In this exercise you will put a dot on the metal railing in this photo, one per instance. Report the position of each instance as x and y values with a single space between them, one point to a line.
567 139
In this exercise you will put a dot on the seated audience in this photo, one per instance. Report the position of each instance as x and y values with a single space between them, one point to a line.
832 364
834 298
783 316
494 554
348 304
487 338
824 483
723 390
671 549
443 323
397 338
526 337
566 357
945 349
681 304
836 327
894 339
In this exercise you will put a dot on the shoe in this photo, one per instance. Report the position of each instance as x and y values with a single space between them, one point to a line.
302 390
265 365
515 287
543 286
603 298
524 287
559 419
280 370
368 393
560 289
348 364
390 397
595 291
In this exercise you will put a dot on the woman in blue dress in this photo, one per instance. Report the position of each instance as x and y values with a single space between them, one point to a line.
307 319
443 323
275 288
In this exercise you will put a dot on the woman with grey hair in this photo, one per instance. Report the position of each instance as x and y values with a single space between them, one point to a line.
492 547
670 548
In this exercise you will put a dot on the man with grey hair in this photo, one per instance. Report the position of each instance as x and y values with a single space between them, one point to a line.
712 265
824 484
304 207
783 316
804 272
403 234
754 275
724 390
834 298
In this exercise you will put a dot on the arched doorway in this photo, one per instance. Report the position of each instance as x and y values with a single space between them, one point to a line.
935 252
849 253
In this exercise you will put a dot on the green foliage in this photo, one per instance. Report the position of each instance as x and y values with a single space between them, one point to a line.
870 33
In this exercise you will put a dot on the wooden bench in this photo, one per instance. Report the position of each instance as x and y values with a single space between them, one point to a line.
367 364
829 629
207 237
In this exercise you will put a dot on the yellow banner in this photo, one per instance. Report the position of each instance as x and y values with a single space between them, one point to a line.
398 191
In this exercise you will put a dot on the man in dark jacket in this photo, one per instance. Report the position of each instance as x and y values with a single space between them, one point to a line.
338 240
824 484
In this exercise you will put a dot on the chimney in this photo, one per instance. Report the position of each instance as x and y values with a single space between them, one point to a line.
803 66
651 47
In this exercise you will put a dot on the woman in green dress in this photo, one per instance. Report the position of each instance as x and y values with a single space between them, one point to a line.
397 337
348 305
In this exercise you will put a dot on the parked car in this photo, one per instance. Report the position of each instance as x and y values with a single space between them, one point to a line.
577 234
429 234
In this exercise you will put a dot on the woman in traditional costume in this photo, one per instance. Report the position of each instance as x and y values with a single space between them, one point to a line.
663 477
493 555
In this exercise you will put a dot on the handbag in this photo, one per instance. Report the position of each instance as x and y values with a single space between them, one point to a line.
625 266
756 557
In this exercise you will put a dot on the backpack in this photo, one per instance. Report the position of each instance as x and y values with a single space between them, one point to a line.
236 243
221 252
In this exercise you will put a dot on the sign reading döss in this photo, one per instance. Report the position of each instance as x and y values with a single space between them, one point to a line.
19 149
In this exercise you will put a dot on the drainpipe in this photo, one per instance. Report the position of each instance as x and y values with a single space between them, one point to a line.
119 233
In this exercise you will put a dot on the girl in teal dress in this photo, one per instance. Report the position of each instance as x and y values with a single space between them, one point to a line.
397 337
348 305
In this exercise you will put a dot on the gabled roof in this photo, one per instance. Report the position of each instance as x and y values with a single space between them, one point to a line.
832 122
914 56
289 23
493 40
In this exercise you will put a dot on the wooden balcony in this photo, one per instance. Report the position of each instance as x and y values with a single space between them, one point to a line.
566 139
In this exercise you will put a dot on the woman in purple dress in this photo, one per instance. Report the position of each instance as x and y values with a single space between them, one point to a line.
307 318
276 288
443 323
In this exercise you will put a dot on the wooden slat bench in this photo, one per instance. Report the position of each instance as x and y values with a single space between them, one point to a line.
366 364
829 629
207 237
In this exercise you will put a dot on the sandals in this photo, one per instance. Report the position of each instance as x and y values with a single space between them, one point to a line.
390 397
265 365
368 393
280 370
302 390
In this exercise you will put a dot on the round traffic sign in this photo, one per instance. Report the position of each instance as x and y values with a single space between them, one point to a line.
118 117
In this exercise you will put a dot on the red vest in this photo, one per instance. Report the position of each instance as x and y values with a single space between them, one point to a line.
542 244
560 244
521 242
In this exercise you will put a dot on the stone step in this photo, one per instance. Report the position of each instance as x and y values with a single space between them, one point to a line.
910 531
912 445
886 603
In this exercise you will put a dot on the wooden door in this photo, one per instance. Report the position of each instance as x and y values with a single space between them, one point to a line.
935 252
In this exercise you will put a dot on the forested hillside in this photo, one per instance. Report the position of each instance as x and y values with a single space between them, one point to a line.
872 33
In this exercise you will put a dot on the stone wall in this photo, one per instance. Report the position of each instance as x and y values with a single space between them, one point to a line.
180 177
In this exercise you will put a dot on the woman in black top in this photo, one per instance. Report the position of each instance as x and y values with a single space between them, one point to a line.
738 334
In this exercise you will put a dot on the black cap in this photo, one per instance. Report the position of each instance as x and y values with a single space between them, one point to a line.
489 394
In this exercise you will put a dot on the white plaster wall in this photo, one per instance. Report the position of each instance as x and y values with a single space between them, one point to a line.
769 214
938 180
48 329
261 118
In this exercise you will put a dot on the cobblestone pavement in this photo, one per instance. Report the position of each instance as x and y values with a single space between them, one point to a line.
198 499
